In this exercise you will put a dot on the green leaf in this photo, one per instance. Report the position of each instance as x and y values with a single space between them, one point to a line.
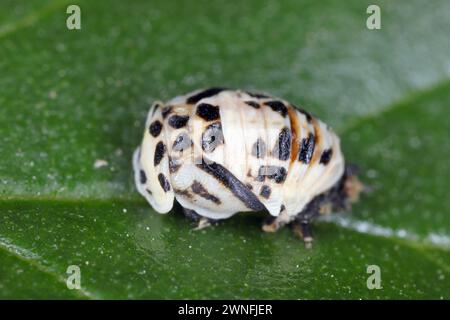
70 98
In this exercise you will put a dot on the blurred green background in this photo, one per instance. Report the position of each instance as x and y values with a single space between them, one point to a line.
71 97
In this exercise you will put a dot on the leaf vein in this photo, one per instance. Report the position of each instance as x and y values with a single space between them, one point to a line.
32 259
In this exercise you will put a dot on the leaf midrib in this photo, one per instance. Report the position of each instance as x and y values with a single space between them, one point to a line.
31 18
408 99
34 263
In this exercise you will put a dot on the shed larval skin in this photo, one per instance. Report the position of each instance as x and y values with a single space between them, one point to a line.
219 152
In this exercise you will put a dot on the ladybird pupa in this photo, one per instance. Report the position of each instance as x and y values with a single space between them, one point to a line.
219 151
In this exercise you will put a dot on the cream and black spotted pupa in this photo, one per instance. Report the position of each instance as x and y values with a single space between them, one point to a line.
219 152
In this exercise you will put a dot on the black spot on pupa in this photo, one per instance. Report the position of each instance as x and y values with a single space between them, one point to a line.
229 181
212 137
184 193
257 95
278 174
307 115
265 191
208 112
249 186
282 208
182 142
155 128
277 106
307 146
204 94
160 149
164 182
148 191
155 108
326 156
259 148
165 111
253 104
199 189
177 121
142 177
173 165
282 149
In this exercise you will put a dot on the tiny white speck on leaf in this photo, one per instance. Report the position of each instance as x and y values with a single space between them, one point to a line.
99 163
52 94
118 152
